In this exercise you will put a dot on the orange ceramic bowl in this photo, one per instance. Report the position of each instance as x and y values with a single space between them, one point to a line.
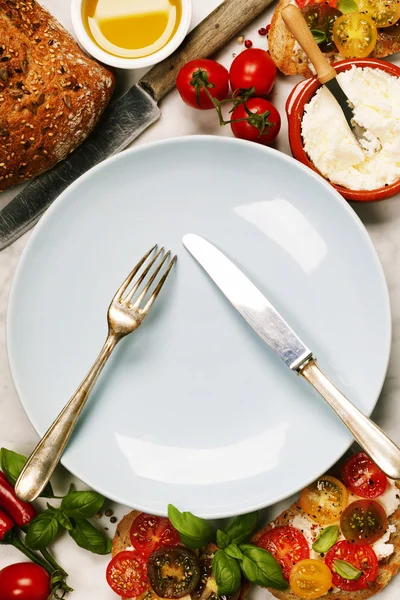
302 94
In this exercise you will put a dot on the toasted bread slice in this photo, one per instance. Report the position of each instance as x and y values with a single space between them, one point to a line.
387 568
122 541
290 58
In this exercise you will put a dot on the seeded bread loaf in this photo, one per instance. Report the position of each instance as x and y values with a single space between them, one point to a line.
51 93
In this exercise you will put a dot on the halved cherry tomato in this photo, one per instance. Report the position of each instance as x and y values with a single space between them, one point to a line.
310 579
253 68
361 557
148 533
246 130
302 3
287 544
214 76
363 477
127 574
364 522
322 17
355 35
324 500
384 13
173 572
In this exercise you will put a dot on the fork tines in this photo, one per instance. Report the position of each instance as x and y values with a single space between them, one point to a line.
160 266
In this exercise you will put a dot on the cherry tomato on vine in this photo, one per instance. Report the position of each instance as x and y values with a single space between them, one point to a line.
149 533
253 68
262 126
24 581
363 477
360 557
127 574
287 544
198 74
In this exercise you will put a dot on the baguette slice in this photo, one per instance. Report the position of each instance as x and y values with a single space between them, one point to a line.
387 568
122 541
291 60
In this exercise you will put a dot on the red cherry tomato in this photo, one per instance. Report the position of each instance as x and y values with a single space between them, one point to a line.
361 557
364 522
246 130
214 76
287 544
253 68
363 477
302 3
24 581
148 533
127 574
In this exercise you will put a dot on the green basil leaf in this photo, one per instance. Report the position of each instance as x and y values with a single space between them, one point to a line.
326 539
260 567
193 531
233 551
319 36
64 520
226 572
12 464
241 527
42 531
82 505
222 539
346 570
90 538
347 6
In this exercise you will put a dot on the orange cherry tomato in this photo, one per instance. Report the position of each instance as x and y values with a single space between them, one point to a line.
324 500
310 579
355 35
384 13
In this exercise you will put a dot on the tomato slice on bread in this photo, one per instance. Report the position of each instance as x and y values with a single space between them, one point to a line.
287 544
303 3
363 477
127 574
360 557
149 533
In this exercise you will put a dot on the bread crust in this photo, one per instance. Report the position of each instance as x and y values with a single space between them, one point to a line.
291 60
122 541
51 93
387 568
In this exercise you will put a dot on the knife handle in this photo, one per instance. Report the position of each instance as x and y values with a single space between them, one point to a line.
210 35
298 27
370 437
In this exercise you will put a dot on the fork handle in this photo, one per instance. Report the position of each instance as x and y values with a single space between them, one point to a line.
375 442
46 456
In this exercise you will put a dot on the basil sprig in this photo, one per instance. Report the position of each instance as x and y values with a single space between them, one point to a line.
347 6
346 570
234 556
76 508
326 539
319 35
12 464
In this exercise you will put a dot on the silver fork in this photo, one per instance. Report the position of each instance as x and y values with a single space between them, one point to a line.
126 313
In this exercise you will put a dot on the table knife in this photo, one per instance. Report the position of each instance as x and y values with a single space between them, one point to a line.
326 74
127 117
274 331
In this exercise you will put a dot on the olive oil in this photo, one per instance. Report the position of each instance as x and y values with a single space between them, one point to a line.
131 28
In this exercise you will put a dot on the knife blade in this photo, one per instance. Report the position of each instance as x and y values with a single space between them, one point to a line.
249 302
273 329
127 117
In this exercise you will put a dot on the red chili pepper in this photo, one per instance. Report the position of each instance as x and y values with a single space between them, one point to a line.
6 524
21 513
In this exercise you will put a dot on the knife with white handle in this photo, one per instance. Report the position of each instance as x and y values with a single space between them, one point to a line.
273 329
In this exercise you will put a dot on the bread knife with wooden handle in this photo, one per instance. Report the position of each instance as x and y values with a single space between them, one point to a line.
127 117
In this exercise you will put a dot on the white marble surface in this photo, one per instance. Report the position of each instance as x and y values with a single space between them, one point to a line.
383 224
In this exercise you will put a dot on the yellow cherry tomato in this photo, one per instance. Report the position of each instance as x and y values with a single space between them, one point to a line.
355 35
310 578
324 500
384 13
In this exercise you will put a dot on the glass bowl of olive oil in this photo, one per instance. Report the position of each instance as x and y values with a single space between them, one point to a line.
131 34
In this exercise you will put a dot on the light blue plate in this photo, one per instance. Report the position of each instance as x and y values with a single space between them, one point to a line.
193 408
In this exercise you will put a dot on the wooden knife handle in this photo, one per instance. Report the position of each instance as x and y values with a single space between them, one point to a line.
209 36
298 27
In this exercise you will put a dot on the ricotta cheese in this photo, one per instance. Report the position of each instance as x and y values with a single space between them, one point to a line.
381 547
390 500
331 145
309 529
